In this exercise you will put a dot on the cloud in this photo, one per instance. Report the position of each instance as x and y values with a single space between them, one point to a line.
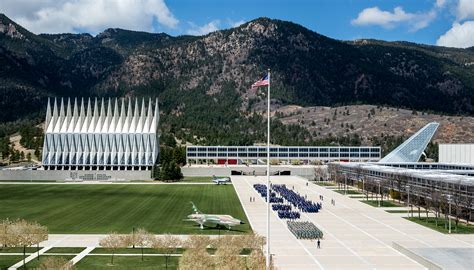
60 16
440 3
237 23
203 30
465 9
459 36
388 19
375 16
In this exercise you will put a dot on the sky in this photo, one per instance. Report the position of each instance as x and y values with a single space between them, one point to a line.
436 22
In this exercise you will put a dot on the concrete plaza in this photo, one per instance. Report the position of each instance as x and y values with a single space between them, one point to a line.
356 235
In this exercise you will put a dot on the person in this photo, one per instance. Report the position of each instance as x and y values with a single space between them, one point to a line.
306 183
319 243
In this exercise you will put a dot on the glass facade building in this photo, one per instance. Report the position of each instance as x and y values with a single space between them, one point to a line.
322 153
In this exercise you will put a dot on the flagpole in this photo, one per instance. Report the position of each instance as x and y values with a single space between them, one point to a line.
268 174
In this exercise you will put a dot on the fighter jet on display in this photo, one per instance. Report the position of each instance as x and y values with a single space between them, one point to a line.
213 220
222 180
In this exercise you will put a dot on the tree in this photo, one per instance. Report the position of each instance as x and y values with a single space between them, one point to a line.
24 234
320 173
196 258
4 232
170 171
228 257
56 263
253 241
113 241
140 238
436 202
156 172
168 243
197 241
256 260
39 234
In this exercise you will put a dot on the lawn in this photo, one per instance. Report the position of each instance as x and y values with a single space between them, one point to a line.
119 208
123 262
382 203
9 260
431 223
349 192
35 263
71 250
17 249
196 179
397 211
325 183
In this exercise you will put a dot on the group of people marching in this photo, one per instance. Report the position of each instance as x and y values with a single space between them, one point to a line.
304 230
284 200
297 200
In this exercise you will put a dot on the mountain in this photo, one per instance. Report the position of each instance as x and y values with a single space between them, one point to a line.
203 82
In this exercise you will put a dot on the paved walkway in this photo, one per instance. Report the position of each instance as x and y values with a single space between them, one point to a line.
356 235
107 183
81 255
85 240
29 258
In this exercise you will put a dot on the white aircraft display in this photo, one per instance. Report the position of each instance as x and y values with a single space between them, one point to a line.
221 180
213 220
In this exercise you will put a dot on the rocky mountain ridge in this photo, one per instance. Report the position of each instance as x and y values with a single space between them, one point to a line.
203 82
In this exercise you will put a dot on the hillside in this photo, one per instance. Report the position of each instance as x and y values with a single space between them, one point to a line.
370 121
203 82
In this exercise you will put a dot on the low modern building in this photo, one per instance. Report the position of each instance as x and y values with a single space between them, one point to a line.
252 154
456 153
427 186
104 135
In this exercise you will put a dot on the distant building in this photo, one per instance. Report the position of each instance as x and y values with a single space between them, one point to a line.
456 153
101 134
252 154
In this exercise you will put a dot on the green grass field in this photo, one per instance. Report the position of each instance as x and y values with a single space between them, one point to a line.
119 208
349 192
325 183
196 179
382 203
123 262
9 260
75 250
397 211
431 223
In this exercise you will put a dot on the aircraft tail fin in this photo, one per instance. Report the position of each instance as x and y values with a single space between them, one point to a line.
196 211
412 149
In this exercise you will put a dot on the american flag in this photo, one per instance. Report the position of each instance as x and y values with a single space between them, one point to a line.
262 82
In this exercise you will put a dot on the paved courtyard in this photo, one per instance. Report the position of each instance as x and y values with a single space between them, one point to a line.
356 235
